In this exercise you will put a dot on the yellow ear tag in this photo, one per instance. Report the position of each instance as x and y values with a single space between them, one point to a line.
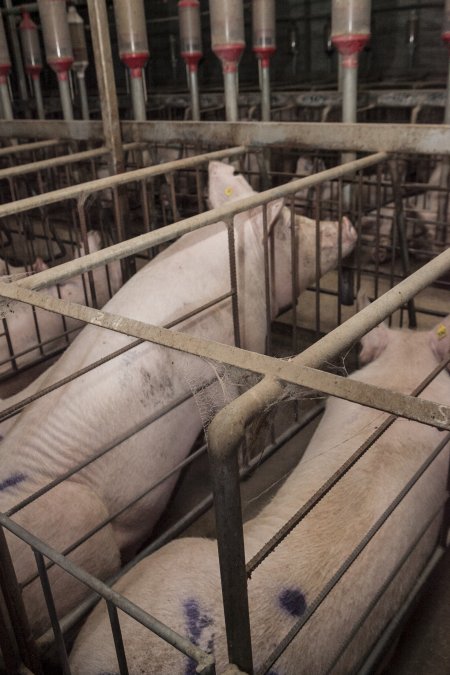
441 332
228 191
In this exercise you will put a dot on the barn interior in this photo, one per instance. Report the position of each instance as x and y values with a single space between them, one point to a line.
128 126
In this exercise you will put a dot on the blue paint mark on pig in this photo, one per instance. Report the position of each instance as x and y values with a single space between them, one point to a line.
196 623
292 601
15 479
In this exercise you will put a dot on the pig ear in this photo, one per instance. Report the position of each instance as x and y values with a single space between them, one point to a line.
440 339
39 265
376 340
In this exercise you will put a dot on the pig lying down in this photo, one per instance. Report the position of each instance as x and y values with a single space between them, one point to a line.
180 585
95 410
23 323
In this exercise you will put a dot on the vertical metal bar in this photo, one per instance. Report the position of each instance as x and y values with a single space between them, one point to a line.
59 639
83 95
265 94
38 97
16 609
318 248
98 18
138 99
195 98
81 206
231 96
400 228
66 100
377 232
21 78
267 282
230 543
294 274
117 636
173 197
233 283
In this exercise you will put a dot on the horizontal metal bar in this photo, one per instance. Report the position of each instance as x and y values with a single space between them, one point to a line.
164 234
74 191
410 138
62 160
30 147
294 372
146 619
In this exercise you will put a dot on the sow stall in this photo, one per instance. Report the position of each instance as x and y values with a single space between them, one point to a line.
228 430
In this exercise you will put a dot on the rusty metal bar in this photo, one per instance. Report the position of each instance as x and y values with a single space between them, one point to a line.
111 133
293 371
205 661
30 147
147 240
409 138
61 160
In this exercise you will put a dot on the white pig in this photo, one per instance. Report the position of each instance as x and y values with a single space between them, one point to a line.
21 323
67 426
180 586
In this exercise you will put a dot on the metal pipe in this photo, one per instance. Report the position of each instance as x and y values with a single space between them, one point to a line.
83 95
38 98
6 101
30 147
195 97
66 100
265 93
118 180
426 139
138 98
21 79
231 96
98 18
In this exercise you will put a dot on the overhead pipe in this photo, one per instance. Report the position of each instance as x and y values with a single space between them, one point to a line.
264 46
32 58
228 43
58 48
350 32
80 56
5 69
191 47
443 196
133 48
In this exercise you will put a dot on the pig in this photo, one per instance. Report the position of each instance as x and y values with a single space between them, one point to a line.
22 322
180 583
94 410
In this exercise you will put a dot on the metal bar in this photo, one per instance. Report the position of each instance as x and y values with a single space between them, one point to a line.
16 609
62 160
182 644
66 100
30 147
98 19
230 544
231 96
424 411
233 283
64 661
138 98
83 95
38 98
408 138
6 101
265 93
11 19
114 181
195 98
118 640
